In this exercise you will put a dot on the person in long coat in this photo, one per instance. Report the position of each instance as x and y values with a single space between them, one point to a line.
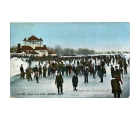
101 74
70 69
44 71
86 74
93 72
29 74
40 71
75 82
59 82
49 70
116 88
112 71
117 72
22 74
36 75
125 68
67 68
90 68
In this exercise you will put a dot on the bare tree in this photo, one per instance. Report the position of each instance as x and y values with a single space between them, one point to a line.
58 49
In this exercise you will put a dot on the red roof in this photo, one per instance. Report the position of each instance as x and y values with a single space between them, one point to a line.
34 38
38 48
33 52
51 52
26 48
41 48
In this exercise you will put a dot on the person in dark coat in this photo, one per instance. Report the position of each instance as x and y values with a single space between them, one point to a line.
121 72
93 72
75 82
125 68
70 68
117 72
101 74
67 68
59 82
113 61
77 62
36 75
26 73
29 74
115 84
63 69
36 68
21 72
44 71
86 74
49 69
40 71
112 71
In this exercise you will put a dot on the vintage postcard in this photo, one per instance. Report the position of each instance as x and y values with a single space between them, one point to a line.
70 60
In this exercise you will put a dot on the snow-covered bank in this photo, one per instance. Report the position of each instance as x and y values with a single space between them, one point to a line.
15 64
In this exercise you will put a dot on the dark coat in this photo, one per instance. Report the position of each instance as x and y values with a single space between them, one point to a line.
104 70
40 70
93 71
101 72
86 72
36 69
112 70
59 80
44 69
75 81
21 69
117 72
115 86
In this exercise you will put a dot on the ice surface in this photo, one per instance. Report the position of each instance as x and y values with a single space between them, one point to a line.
46 87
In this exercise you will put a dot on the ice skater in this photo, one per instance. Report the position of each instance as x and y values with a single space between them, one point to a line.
36 76
59 82
116 88
22 74
75 82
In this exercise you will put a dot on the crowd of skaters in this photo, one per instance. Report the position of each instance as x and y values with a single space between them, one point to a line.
95 66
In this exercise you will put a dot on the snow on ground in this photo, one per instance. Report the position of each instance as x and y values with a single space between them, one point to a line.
15 64
127 56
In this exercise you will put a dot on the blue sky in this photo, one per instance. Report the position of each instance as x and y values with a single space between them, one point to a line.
98 36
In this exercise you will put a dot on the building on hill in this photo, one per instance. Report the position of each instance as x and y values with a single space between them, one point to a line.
34 46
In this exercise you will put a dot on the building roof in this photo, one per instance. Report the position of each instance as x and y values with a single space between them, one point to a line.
41 48
33 52
51 52
38 48
26 48
34 38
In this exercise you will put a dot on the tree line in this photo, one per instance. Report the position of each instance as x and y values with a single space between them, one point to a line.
70 51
